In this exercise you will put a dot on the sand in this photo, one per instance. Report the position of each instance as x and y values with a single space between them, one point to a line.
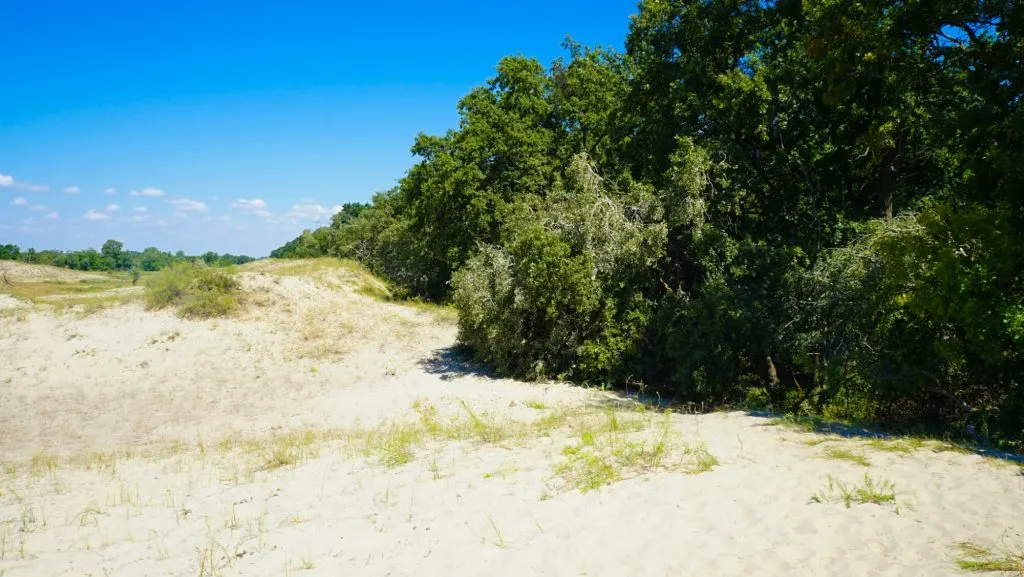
137 443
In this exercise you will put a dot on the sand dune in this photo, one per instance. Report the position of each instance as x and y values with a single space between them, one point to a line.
324 432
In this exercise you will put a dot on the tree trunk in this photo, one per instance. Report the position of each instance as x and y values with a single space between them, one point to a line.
891 165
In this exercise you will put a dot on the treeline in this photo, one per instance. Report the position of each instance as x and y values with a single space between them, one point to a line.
805 205
112 256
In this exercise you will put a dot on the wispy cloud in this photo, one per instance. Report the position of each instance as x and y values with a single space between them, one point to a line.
140 213
311 211
112 208
255 206
188 205
109 191
53 216
140 210
148 191
94 214
8 181
37 207
72 190
20 201
250 204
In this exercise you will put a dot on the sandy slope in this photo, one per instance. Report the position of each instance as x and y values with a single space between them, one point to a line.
199 404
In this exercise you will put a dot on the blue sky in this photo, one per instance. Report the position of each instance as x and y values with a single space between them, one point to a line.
231 126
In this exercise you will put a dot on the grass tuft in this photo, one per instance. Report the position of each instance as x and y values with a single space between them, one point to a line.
842 454
975 558
870 491
618 446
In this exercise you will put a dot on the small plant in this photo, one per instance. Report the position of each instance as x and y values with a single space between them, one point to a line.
89 516
497 532
873 492
196 290
974 557
841 454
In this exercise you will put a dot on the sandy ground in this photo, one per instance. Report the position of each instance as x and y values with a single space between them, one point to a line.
137 443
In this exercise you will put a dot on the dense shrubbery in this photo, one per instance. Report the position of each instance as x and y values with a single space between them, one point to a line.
114 257
196 290
811 205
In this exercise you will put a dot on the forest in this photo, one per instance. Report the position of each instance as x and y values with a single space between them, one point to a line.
112 256
807 206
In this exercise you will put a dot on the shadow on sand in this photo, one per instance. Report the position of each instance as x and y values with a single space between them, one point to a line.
820 426
454 362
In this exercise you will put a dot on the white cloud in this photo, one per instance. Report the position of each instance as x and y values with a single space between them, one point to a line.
112 208
109 191
53 216
187 205
311 211
250 204
37 208
8 181
140 210
72 190
20 201
148 191
180 215
94 214
255 206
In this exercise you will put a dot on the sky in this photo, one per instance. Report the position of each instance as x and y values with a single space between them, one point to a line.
232 126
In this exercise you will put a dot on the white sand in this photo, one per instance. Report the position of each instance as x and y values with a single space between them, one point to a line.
312 355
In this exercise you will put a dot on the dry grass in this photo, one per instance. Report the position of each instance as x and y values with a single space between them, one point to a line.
338 273
604 445
975 558
323 335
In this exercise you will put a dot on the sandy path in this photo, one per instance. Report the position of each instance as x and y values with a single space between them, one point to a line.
129 378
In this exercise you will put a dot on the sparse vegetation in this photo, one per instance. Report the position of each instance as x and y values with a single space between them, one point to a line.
844 454
870 491
196 291
975 558
610 450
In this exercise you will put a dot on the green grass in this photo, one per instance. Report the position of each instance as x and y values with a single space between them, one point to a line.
843 454
870 491
617 446
196 291
975 558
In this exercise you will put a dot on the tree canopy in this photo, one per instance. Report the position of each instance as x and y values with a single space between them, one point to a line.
112 256
813 205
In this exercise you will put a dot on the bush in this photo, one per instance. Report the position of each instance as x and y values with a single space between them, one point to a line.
558 297
196 290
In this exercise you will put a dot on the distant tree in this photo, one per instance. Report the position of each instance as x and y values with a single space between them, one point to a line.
112 249
9 252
